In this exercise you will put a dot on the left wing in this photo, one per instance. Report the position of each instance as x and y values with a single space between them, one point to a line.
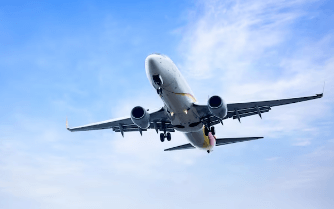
158 121
239 110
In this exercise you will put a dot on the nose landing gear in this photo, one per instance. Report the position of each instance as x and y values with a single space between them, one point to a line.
159 90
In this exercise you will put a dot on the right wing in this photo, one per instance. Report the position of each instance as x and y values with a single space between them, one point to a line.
219 142
158 121
239 110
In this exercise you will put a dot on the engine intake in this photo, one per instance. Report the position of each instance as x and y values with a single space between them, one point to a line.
217 107
140 117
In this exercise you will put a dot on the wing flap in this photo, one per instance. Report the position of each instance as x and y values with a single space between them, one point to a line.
245 114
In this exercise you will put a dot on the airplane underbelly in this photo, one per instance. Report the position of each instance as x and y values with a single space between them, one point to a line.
199 140
183 115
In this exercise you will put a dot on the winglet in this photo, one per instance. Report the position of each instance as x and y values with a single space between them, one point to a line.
67 124
323 90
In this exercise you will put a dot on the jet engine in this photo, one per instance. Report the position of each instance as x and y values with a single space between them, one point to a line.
217 107
140 117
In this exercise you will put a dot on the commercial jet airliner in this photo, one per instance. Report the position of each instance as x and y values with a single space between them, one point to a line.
181 113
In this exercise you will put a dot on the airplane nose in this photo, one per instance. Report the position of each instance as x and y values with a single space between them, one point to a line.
155 66
152 64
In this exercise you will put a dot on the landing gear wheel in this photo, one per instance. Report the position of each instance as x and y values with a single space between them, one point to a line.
159 90
169 137
206 131
213 130
162 137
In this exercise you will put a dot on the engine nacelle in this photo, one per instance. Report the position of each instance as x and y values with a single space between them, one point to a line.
217 107
140 117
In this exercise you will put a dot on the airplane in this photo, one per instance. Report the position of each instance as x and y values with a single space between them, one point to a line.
181 112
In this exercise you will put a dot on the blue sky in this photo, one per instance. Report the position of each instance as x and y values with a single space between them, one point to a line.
85 60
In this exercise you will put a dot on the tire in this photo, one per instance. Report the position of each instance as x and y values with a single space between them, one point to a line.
169 137
162 137
213 130
206 131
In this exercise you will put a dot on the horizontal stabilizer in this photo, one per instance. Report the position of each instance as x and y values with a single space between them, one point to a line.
219 142
223 141
185 146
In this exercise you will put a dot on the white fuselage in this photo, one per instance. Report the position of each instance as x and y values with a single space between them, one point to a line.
178 99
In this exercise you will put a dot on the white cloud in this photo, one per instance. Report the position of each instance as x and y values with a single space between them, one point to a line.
302 142
233 36
273 158
237 49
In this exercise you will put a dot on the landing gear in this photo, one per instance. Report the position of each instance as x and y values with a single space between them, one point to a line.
207 130
213 130
159 90
163 136
169 137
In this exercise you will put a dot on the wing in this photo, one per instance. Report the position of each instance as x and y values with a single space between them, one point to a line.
158 121
240 110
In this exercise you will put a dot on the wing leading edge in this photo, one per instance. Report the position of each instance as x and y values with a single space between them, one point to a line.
240 110
158 121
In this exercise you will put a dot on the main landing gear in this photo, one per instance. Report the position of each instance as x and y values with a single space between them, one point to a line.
163 136
208 129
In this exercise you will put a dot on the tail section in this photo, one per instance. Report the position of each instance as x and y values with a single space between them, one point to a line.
219 142
224 141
